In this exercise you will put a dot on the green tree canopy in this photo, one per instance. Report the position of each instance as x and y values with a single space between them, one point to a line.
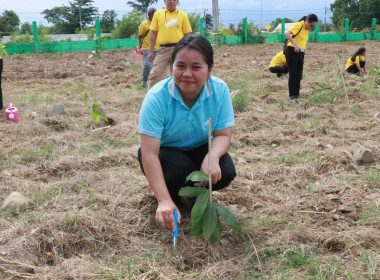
194 21
128 27
278 21
141 6
208 20
26 28
67 19
359 12
107 21
9 21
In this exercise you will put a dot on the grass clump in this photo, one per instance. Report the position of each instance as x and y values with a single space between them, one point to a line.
372 177
323 96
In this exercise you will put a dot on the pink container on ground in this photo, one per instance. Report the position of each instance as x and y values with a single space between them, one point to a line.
11 114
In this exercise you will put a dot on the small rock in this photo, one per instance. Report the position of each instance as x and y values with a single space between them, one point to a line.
224 242
362 154
15 201
258 206
329 147
335 217
225 54
56 111
241 160
376 115
3 253
346 209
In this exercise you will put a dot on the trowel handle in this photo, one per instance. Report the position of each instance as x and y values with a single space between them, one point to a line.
175 233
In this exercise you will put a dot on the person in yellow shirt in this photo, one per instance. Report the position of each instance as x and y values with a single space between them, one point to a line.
278 65
1 92
294 51
168 26
143 45
356 63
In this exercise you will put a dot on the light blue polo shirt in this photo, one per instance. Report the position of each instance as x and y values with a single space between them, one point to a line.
164 115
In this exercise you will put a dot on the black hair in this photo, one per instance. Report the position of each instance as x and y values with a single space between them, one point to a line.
151 11
198 43
310 18
358 52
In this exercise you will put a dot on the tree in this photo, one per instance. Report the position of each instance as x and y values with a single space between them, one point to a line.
107 21
141 6
9 21
128 27
208 21
278 21
67 19
26 28
194 21
359 12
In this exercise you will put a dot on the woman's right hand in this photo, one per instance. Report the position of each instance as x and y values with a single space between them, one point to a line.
165 216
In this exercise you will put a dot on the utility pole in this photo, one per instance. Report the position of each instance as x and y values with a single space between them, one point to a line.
324 28
215 15
80 18
261 15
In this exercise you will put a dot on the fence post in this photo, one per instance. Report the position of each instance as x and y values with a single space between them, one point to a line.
283 30
35 36
346 28
316 32
245 22
97 25
373 31
202 26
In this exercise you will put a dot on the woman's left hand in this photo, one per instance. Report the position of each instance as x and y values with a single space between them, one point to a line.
216 173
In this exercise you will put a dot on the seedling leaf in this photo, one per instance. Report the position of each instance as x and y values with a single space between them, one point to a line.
199 207
86 97
196 229
216 234
209 221
191 191
228 217
95 116
104 117
197 176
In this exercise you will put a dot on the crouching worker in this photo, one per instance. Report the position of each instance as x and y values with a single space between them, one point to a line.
278 65
356 63
173 127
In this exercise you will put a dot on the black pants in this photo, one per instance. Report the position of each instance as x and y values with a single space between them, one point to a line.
279 70
1 92
353 69
177 165
295 65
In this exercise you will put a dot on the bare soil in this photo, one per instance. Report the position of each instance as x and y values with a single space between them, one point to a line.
307 209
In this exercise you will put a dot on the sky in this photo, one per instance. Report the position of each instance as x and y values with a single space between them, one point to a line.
260 12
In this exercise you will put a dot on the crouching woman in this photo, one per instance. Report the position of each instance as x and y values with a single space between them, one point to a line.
173 127
356 62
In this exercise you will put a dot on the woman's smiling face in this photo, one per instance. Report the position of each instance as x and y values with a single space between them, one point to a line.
190 73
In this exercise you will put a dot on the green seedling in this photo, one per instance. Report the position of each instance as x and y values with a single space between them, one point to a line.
205 215
96 114
3 52
375 71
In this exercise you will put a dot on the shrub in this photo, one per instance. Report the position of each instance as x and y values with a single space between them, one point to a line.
128 27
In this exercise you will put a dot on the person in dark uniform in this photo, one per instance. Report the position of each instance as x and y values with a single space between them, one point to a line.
356 63
278 65
294 51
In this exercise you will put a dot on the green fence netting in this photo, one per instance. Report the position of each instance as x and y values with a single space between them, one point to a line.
80 46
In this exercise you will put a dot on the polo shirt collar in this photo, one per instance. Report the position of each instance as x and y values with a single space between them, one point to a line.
176 10
174 90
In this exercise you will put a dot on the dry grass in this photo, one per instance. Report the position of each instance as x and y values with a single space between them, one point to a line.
307 210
